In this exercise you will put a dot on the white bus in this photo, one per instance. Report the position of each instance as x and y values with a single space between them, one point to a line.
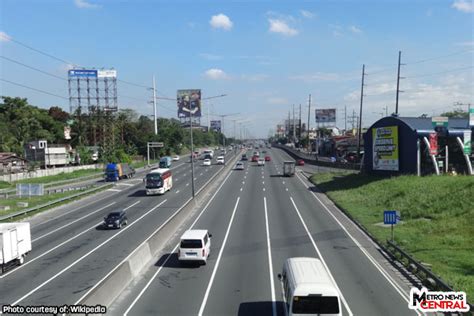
158 181
308 288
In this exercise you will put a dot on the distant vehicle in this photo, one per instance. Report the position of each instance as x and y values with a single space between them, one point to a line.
244 157
308 288
209 152
254 158
220 160
118 171
223 152
15 243
206 162
158 181
288 168
264 151
256 153
165 162
300 162
268 158
176 158
115 220
261 162
239 166
195 245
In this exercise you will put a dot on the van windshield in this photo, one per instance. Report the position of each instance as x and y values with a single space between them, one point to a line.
315 305
191 243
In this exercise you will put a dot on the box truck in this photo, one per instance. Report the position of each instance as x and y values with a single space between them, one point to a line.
288 168
165 162
118 171
15 243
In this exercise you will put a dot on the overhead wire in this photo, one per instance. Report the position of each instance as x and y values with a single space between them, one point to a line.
34 89
33 68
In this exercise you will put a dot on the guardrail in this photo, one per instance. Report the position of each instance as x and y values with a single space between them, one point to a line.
51 203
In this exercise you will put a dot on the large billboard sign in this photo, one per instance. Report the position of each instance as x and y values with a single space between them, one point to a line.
110 73
189 102
82 73
471 117
385 148
325 115
216 126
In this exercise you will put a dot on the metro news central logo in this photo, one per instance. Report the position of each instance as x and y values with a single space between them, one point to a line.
427 301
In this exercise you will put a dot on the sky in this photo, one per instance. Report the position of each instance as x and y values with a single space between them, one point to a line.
265 56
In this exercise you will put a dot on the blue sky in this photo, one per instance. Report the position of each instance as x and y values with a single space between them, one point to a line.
265 55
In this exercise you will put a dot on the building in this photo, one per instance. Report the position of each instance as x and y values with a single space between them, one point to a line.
43 155
11 163
409 145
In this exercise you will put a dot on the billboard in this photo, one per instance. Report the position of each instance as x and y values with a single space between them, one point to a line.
189 102
216 126
471 117
385 148
110 73
325 115
82 73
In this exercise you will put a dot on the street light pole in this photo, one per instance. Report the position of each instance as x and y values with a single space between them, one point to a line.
192 150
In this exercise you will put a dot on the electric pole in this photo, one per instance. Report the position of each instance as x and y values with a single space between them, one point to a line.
360 113
307 127
294 128
345 119
299 134
154 106
398 81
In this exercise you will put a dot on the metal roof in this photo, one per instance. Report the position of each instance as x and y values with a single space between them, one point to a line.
421 123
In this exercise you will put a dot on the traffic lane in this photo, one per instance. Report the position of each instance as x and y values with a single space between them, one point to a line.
48 266
242 277
176 281
364 287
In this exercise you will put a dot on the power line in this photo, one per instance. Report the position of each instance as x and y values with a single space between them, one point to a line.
441 72
440 57
33 68
134 84
34 89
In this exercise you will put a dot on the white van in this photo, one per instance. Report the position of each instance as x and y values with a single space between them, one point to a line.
195 245
308 289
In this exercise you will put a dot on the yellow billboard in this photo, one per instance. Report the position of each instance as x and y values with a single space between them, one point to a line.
385 148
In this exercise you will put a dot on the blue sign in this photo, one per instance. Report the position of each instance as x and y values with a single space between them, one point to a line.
391 217
82 73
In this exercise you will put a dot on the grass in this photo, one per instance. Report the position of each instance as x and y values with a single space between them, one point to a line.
437 217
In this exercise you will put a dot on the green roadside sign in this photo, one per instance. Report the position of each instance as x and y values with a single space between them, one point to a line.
467 142
439 121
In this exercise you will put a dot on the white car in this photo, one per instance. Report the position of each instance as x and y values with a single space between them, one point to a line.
176 158
220 160
195 245
261 162
206 162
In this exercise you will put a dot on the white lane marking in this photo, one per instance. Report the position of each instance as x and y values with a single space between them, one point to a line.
243 182
241 189
69 224
263 182
130 206
173 251
263 189
286 189
365 252
195 179
269 247
283 182
114 190
177 192
211 281
127 184
187 184
200 174
84 256
184 175
321 257
263 177
245 177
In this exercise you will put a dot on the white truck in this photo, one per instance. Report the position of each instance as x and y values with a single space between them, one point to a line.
15 243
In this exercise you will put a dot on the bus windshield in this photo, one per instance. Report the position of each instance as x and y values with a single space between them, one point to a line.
315 305
153 180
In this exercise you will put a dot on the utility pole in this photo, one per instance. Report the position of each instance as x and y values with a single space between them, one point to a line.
386 110
289 122
154 107
192 150
360 113
307 127
345 119
299 134
294 127
398 81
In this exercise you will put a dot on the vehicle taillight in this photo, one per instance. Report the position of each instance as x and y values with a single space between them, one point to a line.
204 252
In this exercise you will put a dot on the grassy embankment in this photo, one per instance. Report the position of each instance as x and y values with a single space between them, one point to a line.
437 217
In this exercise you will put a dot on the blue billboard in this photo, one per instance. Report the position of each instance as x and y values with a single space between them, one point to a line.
82 73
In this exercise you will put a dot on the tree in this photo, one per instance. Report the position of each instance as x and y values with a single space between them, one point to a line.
458 113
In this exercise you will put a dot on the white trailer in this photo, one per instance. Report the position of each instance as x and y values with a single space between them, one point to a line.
15 243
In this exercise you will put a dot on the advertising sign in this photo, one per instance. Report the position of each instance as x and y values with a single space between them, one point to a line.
189 102
67 132
110 73
439 121
82 73
325 115
471 117
467 142
385 148
433 143
216 126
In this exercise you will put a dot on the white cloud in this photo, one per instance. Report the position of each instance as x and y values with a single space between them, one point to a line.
255 77
355 29
215 74
210 56
83 4
4 37
221 21
466 44
463 5
307 14
280 26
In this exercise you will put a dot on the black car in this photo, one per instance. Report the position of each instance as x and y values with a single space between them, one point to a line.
244 157
115 219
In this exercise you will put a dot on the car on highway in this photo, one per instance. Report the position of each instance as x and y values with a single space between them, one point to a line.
300 162
176 158
254 158
239 166
256 153
115 219
264 151
220 160
261 162
195 245
206 162
268 158
244 157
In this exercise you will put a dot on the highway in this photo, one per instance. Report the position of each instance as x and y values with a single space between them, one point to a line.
258 219
71 252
